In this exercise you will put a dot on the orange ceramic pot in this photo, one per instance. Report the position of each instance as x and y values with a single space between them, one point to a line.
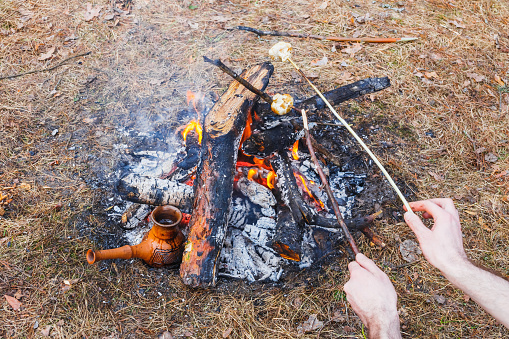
162 245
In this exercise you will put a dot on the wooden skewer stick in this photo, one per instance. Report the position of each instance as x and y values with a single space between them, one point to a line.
320 37
375 159
323 178
235 76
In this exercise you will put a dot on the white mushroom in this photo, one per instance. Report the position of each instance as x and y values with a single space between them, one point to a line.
281 104
281 51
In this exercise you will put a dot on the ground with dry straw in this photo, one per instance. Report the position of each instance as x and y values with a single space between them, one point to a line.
445 115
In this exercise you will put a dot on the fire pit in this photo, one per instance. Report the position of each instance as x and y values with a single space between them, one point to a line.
253 197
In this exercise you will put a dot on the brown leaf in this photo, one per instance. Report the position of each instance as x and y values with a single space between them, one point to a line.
46 331
498 80
409 250
476 77
457 24
47 55
18 295
439 298
165 335
490 157
323 5
338 317
227 332
352 49
67 284
430 75
345 76
466 298
92 12
310 325
15 304
220 18
320 62
438 177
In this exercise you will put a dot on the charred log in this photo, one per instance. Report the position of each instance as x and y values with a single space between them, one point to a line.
222 132
265 143
152 191
288 238
335 96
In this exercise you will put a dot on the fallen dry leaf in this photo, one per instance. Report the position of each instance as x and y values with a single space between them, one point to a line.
320 62
430 75
409 250
310 325
67 284
227 332
466 298
438 177
439 298
457 24
221 18
47 55
323 5
165 335
498 80
352 49
490 157
89 120
45 332
92 12
18 295
476 77
338 317
345 76
15 304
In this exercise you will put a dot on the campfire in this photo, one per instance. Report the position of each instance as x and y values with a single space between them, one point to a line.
248 188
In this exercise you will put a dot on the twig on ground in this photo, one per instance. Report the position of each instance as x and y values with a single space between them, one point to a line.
323 178
44 69
320 37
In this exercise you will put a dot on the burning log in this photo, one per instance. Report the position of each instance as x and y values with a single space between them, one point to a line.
153 191
222 132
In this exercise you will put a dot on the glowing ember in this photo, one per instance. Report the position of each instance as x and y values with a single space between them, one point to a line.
193 125
271 179
251 173
247 130
295 149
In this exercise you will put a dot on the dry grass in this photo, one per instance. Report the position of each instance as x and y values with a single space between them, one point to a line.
138 74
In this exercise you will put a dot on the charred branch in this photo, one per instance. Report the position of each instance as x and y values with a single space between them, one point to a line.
153 191
213 186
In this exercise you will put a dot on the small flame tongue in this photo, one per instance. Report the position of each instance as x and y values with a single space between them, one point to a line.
295 149
193 125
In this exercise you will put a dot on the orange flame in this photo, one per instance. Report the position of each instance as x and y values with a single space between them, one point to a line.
247 130
295 149
190 126
251 173
271 179
318 202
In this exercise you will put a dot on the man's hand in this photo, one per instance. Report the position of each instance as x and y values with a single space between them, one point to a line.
442 245
373 298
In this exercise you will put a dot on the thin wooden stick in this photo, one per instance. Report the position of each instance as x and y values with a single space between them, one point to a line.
320 37
325 183
44 69
382 168
245 83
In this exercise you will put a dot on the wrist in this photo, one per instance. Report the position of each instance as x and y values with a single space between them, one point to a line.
457 268
387 328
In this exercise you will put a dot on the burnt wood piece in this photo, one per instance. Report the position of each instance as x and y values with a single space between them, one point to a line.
288 238
265 143
213 186
335 96
153 191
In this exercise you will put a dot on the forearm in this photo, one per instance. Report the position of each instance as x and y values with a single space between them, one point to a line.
488 290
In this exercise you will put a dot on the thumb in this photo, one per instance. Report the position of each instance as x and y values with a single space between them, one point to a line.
415 223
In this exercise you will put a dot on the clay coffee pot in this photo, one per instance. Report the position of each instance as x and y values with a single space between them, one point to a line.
162 245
